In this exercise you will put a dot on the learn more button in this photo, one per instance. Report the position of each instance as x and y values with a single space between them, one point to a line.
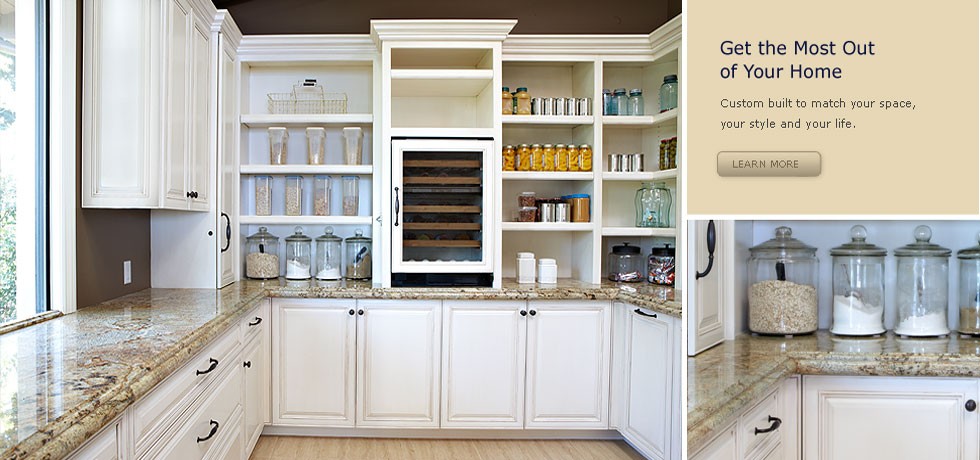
768 164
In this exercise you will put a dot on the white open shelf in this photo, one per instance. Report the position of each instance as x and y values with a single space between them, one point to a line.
546 175
644 121
305 220
439 82
547 120
350 170
644 176
639 231
267 120
546 226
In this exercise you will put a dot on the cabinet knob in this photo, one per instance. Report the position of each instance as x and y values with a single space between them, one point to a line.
190 195
523 312
247 364
971 405
351 312
360 312
533 312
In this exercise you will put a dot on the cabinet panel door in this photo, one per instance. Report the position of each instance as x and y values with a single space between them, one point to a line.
228 153
706 320
199 156
483 364
313 343
889 417
649 384
398 351
567 365
721 448
177 99
253 360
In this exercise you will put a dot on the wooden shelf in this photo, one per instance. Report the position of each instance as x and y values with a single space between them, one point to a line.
546 226
546 175
437 180
351 170
441 163
547 120
267 120
639 231
435 132
644 176
440 243
439 82
441 226
306 220
642 121
441 209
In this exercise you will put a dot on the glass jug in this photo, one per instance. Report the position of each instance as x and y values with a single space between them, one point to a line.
668 93
653 206
328 256
783 286
922 287
299 250
262 255
358 256
859 286
969 289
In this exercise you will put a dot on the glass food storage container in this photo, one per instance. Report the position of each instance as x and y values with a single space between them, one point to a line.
969 289
314 145
537 157
505 101
278 147
550 159
523 102
263 195
621 102
299 251
353 141
262 255
321 195
783 286
351 184
524 157
509 153
574 158
328 255
294 195
358 256
922 287
661 264
653 205
668 93
607 103
636 102
625 264
585 156
859 286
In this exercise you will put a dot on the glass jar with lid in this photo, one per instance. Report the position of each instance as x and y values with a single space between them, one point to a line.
523 157
783 285
328 255
537 157
262 255
922 287
574 160
351 190
653 205
263 195
358 256
321 195
505 101
299 251
625 264
585 157
859 286
509 161
969 289
523 101
668 93
294 196
636 101
621 102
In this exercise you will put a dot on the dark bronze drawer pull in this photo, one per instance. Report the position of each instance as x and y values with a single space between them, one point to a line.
775 426
257 322
214 429
641 313
214 364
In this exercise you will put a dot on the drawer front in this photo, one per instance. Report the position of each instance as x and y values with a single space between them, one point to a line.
758 418
156 413
103 446
211 424
256 322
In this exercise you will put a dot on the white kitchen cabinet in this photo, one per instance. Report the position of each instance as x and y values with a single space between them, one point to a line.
890 417
722 447
257 383
568 345
313 349
648 419
483 364
228 182
398 363
711 249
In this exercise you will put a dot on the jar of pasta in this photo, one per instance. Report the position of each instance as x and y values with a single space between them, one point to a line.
574 158
509 154
585 153
550 157
524 157
561 158
537 157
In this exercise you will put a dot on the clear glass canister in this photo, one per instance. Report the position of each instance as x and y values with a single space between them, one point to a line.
922 287
299 252
969 289
509 158
505 101
294 195
278 145
668 93
314 145
783 285
351 184
262 255
625 264
321 195
263 195
636 101
621 102
328 255
358 256
653 205
608 108
859 286
523 102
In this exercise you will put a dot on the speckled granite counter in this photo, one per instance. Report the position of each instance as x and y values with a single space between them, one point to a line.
64 379
724 379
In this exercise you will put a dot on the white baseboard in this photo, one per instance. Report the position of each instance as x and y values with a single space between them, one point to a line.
271 430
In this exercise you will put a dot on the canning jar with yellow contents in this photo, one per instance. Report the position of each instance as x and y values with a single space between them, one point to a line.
537 157
524 157
585 153
574 160
549 157
509 160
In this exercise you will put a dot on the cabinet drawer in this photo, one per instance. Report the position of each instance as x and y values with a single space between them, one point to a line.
156 414
255 322
771 453
103 446
758 418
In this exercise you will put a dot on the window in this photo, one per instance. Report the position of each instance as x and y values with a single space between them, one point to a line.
23 159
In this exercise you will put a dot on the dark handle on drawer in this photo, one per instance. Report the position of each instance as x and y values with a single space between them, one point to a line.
971 405
214 429
257 321
523 312
247 364
397 206
775 426
214 364
711 251
227 232
641 313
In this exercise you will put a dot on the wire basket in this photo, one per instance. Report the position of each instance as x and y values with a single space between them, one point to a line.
307 98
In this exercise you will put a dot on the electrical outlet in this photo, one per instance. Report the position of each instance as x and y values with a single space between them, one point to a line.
127 272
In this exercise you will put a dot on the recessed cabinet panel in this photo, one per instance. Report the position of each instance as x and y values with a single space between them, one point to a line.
649 393
179 65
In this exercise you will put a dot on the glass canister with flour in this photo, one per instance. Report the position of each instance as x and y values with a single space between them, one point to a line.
783 286
922 287
859 286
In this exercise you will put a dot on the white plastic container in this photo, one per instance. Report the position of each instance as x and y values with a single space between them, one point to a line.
547 271
353 139
314 145
278 137
525 267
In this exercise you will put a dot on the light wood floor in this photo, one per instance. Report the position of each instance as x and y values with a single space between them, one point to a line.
304 448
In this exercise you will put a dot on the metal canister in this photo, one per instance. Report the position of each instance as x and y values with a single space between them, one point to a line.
584 106
563 212
571 107
537 106
560 106
615 162
547 211
549 106
636 162
625 162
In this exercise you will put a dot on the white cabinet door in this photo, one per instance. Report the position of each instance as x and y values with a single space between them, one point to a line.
889 417
179 30
567 365
648 408
228 131
313 343
398 363
483 364
256 388
723 447
706 321
199 155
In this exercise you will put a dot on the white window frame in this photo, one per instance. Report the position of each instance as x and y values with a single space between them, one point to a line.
62 148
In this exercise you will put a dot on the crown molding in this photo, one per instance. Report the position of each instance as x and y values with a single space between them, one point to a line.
225 24
270 48
441 30
517 45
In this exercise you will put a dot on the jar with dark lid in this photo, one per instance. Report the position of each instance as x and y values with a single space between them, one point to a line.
625 264
668 93
358 256
969 289
660 265
922 287
299 252
859 286
783 285
262 255
328 255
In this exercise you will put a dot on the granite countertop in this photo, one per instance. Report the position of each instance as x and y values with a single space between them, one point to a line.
64 379
724 379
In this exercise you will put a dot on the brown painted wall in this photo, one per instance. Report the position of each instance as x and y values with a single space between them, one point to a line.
106 237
